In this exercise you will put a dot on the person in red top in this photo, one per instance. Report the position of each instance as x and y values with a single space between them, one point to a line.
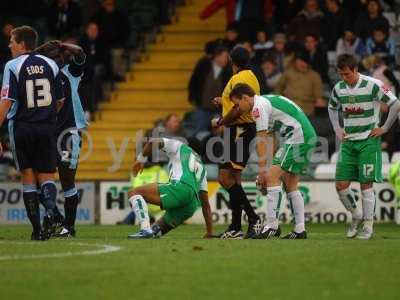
231 10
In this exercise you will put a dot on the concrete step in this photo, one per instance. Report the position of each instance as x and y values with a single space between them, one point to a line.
121 117
194 38
127 126
161 104
90 175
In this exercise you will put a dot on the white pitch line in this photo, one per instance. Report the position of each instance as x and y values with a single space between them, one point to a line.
104 249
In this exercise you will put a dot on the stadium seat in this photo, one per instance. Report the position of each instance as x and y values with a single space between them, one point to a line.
3 172
332 58
212 172
395 157
391 17
250 172
385 157
202 135
325 172
334 157
319 157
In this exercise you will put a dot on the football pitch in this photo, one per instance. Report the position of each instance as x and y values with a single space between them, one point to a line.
102 264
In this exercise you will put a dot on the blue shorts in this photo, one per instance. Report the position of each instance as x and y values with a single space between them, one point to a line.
68 147
33 146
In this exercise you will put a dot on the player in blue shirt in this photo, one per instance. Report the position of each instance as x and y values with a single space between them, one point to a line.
70 121
31 94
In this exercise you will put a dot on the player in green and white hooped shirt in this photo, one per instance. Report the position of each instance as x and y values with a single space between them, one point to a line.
357 98
180 197
273 113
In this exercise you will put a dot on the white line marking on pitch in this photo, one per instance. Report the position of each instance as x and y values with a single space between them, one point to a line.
103 249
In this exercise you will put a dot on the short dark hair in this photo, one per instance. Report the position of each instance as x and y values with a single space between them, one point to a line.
26 34
346 60
269 57
240 57
241 89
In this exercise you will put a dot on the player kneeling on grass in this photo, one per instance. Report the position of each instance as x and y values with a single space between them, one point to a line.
277 113
180 197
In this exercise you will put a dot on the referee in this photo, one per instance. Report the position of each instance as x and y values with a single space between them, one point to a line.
240 130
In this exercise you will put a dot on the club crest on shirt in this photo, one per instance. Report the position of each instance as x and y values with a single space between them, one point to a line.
352 99
256 113
385 89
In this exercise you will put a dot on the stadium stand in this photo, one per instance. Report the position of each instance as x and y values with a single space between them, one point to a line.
154 87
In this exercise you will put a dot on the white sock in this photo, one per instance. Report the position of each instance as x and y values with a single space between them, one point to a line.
139 207
347 198
274 199
297 202
368 201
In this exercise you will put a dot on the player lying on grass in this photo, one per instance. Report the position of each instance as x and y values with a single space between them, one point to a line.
180 197
277 113
357 99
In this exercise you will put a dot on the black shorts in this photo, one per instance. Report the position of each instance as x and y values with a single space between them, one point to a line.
33 146
68 147
238 138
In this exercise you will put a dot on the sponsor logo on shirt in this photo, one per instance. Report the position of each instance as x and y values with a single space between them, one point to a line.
354 110
256 113
4 92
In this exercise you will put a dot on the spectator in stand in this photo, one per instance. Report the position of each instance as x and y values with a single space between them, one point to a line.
262 46
231 37
271 72
114 30
285 11
282 56
263 43
251 15
317 56
390 140
378 69
382 45
5 53
309 20
208 80
352 8
170 127
349 43
97 67
247 14
300 83
319 118
337 20
63 19
370 19
255 65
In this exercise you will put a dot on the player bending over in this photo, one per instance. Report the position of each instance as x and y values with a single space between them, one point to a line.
70 121
277 113
357 98
180 197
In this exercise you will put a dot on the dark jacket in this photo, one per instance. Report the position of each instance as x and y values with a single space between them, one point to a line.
304 24
64 22
319 63
97 53
199 75
337 24
364 26
323 127
114 27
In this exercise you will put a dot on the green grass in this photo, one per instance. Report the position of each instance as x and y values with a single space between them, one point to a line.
184 266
